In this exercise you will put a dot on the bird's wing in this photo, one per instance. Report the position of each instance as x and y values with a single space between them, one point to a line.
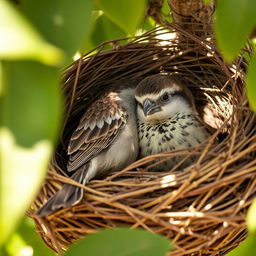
97 129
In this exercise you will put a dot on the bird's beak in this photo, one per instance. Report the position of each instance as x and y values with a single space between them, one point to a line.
150 107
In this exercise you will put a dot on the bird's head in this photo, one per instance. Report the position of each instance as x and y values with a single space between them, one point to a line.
161 96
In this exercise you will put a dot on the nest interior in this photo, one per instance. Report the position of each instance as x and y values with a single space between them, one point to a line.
202 208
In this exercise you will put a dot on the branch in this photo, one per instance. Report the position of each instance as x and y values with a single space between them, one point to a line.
193 15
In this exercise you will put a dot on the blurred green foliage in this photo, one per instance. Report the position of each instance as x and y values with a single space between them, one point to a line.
248 248
63 23
251 81
38 39
20 40
235 20
25 241
121 242
126 14
30 118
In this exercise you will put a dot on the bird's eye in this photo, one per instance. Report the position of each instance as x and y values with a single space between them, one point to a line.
165 97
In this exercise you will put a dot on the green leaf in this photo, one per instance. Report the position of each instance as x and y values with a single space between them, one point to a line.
126 14
105 30
29 119
207 1
64 23
251 220
25 239
19 40
121 242
235 20
246 248
251 82
1 79
167 11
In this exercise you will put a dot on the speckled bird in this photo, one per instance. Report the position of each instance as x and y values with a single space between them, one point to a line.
167 118
105 140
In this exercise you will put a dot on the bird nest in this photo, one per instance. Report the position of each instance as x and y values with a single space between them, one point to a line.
202 207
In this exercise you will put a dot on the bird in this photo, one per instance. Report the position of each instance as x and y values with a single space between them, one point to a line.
167 118
105 140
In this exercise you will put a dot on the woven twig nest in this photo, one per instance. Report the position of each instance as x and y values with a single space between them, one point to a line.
202 208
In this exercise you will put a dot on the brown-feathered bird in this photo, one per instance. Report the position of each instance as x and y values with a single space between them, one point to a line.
167 118
105 140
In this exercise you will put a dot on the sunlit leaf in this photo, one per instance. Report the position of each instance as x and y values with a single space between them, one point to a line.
64 23
166 11
19 40
127 14
235 20
25 241
16 245
121 242
22 171
29 118
251 82
251 220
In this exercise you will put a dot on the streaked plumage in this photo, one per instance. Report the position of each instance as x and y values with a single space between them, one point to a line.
105 140
167 118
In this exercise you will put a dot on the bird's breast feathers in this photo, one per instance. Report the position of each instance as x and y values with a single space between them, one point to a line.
178 132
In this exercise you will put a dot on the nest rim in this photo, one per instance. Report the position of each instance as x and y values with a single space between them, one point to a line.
212 189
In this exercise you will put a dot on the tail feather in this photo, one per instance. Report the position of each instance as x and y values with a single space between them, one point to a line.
67 196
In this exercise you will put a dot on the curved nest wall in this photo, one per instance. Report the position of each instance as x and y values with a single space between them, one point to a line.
201 208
